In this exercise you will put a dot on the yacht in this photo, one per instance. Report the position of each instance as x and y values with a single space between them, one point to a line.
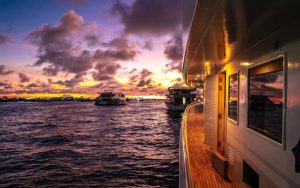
137 99
110 98
247 56
178 97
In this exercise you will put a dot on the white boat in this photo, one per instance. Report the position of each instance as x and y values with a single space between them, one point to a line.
137 99
110 98
178 97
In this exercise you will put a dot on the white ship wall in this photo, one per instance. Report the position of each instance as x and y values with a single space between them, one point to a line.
273 162
211 110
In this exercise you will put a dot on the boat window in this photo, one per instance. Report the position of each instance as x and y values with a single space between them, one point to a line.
265 109
233 97
185 91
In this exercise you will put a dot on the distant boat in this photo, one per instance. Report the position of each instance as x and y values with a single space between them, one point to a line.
178 97
137 99
110 98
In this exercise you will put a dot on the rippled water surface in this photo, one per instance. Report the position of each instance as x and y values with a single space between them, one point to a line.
73 144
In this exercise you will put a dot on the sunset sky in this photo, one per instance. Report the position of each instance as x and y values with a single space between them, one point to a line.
82 47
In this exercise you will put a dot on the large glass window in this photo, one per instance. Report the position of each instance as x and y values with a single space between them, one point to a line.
266 85
233 96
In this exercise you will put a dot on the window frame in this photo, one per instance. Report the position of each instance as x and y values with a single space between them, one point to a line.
284 98
238 98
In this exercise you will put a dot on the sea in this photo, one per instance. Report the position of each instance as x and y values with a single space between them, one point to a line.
79 144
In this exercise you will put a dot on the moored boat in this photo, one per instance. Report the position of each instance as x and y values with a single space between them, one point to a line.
178 97
110 98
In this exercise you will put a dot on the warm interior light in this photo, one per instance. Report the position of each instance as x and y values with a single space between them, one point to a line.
207 68
245 63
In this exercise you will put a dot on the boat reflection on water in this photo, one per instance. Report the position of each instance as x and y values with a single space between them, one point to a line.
175 115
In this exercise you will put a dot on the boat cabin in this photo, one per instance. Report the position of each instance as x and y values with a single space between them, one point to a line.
179 97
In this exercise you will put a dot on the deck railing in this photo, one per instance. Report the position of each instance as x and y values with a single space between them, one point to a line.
185 175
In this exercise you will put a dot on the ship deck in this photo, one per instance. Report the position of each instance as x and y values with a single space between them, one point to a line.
202 172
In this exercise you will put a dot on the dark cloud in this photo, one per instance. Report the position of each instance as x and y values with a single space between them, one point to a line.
48 36
119 43
50 70
143 83
71 82
4 39
23 78
5 72
140 79
155 16
2 84
115 55
92 39
145 73
149 16
133 79
55 46
59 51
132 71
110 85
6 88
35 87
32 85
122 50
148 45
136 76
174 52
105 71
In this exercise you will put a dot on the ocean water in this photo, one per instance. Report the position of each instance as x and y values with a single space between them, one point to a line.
73 144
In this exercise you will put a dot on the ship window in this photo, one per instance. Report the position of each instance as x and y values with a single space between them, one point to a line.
250 177
233 97
265 109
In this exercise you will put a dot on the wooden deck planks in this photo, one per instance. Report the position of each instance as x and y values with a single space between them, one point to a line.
202 171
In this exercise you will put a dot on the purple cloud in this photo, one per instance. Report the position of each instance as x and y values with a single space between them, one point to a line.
71 82
105 71
174 52
149 16
5 72
50 70
143 83
55 46
58 49
23 78
148 45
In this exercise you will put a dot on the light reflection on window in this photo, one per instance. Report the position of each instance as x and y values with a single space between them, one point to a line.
233 97
266 84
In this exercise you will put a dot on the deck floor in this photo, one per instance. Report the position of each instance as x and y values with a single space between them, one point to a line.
202 171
